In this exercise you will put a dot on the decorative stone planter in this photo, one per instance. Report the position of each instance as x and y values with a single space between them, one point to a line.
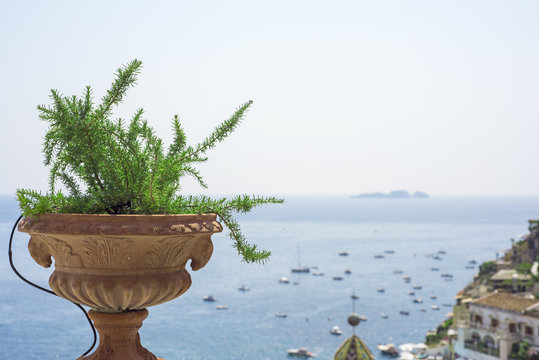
118 265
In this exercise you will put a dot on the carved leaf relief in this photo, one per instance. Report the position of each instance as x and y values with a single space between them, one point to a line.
107 252
165 252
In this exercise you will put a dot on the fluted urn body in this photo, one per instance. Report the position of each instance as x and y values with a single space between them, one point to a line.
119 263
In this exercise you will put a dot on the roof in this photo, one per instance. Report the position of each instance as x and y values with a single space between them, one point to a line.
507 274
353 349
507 302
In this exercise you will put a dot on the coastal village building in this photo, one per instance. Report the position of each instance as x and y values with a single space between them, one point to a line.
496 322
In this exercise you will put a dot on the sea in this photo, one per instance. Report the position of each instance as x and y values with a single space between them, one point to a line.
412 235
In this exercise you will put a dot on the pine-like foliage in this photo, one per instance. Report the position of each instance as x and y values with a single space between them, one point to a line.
118 167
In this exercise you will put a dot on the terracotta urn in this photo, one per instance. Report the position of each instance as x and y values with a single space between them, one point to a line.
119 265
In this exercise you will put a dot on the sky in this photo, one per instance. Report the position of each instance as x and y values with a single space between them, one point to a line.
349 96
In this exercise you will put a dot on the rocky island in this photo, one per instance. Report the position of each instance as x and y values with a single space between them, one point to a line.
396 194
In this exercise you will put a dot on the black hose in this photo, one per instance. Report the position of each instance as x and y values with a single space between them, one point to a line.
10 254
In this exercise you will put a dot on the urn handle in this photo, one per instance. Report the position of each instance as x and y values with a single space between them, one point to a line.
40 251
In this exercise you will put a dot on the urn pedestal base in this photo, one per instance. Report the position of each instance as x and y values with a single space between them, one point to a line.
118 336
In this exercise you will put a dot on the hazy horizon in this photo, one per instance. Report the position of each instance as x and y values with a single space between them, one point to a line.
349 97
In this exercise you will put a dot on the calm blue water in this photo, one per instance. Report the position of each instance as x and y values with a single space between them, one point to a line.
34 325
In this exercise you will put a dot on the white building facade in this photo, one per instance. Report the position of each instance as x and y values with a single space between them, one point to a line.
496 322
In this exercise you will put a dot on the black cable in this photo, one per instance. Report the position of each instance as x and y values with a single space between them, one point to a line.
10 254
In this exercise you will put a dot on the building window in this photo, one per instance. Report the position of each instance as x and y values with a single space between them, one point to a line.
528 330
494 322
512 328
478 319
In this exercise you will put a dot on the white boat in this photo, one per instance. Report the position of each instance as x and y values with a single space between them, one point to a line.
221 307
362 317
380 289
335 330
406 278
284 280
301 352
434 307
281 315
417 287
243 288
209 298
388 349
418 300
299 268
383 315
433 297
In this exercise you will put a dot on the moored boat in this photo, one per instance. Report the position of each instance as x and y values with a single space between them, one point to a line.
335 330
209 298
301 352
388 349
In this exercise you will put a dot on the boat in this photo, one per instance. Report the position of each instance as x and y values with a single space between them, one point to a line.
448 305
301 352
389 251
434 269
280 315
442 252
433 297
417 287
362 317
383 315
243 288
402 312
347 271
418 300
318 274
221 307
343 253
284 280
379 256
299 268
397 271
436 257
388 349
335 330
434 307
209 298
337 278
406 278
472 262
411 293
446 275
470 267
354 297
380 289
423 310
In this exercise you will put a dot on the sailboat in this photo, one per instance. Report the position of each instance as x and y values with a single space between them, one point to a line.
299 268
